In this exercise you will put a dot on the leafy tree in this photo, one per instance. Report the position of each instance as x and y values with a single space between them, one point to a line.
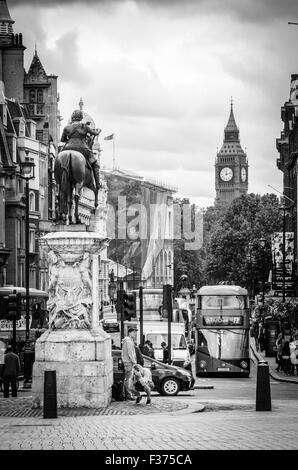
185 261
229 231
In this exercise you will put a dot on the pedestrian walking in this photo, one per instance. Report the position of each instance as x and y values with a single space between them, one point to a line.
129 358
148 349
165 348
139 355
261 337
142 380
286 353
294 355
10 372
256 334
278 344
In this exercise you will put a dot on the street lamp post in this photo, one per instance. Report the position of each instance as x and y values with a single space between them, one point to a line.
283 208
251 283
263 244
27 174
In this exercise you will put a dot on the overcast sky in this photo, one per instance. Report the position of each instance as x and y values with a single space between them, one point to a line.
160 76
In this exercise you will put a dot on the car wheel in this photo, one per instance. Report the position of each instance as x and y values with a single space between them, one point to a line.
170 387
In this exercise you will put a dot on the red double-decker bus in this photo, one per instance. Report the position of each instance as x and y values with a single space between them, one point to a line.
222 331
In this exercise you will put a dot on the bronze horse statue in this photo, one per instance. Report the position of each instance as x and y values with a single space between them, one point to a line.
72 173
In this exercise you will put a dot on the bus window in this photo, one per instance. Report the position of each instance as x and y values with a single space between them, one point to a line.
224 344
223 302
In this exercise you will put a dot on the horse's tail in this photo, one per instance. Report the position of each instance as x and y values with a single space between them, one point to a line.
65 186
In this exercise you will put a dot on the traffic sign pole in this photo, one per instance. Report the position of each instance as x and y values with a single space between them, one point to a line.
141 317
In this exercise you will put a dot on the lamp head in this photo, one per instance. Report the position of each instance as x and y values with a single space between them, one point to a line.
27 167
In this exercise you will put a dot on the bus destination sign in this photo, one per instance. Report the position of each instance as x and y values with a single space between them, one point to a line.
222 320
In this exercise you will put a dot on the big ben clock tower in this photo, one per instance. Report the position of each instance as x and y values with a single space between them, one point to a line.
231 166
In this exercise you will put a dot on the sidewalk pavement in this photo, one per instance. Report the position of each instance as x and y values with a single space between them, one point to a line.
281 376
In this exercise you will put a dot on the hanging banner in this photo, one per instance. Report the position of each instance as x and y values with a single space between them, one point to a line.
277 262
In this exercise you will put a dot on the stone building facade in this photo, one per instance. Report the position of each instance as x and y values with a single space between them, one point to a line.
287 147
27 129
142 231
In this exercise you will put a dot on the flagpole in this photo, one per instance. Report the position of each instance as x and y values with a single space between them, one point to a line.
114 159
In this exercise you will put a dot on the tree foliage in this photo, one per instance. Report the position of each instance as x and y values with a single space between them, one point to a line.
185 261
227 234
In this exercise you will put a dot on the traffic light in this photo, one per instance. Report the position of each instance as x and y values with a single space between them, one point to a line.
129 305
36 316
13 311
167 301
3 307
119 303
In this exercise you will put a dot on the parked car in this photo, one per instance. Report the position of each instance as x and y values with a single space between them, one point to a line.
110 325
168 380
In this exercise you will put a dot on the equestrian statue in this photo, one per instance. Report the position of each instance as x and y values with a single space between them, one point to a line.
76 167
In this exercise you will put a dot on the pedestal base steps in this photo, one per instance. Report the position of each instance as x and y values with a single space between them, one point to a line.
83 364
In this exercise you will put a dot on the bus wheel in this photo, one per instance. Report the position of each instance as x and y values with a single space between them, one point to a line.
170 387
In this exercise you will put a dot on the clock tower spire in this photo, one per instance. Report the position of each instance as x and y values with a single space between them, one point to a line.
231 166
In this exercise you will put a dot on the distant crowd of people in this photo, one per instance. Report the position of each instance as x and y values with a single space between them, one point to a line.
286 349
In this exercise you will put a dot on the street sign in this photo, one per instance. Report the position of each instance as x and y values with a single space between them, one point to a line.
280 265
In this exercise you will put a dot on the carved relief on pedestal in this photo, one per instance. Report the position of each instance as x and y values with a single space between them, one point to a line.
70 290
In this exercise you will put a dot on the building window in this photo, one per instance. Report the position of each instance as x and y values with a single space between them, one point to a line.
32 96
19 234
31 109
32 275
32 241
39 109
21 272
40 96
32 202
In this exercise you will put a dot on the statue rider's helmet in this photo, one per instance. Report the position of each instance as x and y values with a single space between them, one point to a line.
77 115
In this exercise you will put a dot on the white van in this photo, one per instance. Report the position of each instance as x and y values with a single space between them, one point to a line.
157 332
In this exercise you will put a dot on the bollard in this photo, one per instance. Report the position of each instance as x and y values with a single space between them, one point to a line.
50 395
263 395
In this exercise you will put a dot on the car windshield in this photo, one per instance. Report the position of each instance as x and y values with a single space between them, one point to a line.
178 340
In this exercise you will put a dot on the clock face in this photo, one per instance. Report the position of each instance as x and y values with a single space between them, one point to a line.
243 174
226 174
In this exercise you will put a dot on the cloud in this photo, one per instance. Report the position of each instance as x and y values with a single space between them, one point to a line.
246 10
159 74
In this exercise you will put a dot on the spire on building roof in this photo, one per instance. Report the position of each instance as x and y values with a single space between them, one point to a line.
4 12
36 72
231 126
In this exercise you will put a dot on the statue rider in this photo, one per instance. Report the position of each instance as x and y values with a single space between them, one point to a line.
76 137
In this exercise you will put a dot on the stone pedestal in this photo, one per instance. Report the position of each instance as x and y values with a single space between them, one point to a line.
75 346
83 364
